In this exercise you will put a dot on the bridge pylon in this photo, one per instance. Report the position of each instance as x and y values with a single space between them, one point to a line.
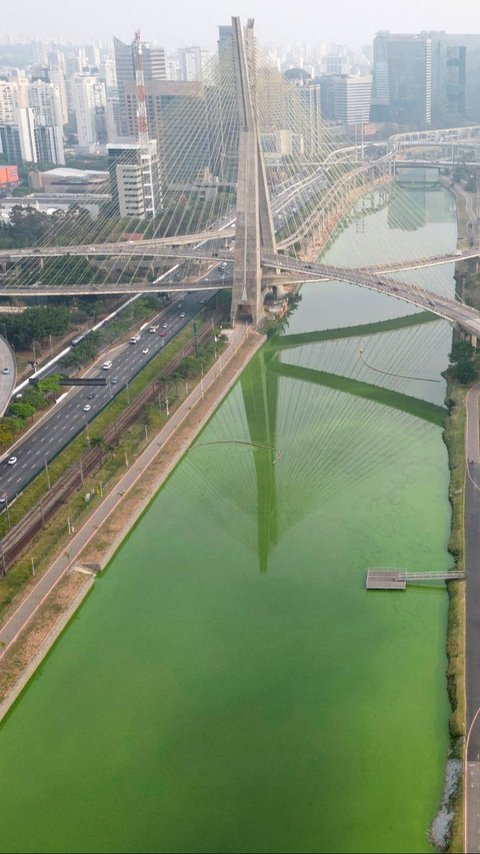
254 222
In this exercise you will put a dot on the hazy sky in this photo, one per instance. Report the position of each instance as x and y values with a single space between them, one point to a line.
184 22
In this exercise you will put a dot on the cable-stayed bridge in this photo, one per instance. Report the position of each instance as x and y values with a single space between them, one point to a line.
251 179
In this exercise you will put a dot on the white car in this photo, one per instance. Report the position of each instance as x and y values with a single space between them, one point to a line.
6 370
182 314
87 407
145 351
12 461
164 325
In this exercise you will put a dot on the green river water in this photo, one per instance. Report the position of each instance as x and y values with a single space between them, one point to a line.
229 685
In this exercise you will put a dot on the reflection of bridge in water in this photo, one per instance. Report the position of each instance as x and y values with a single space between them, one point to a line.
236 476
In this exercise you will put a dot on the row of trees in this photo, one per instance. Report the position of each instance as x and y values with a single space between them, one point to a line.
35 324
33 398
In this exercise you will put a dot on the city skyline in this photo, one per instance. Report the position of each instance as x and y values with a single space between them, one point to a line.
188 24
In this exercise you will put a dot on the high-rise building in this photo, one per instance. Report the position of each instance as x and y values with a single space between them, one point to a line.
455 78
57 77
49 142
53 74
89 102
190 63
346 98
18 141
8 102
134 179
225 39
154 68
177 119
44 98
310 97
402 79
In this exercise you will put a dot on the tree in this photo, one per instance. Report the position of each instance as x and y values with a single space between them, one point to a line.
461 357
22 410
461 350
465 372
49 384
6 433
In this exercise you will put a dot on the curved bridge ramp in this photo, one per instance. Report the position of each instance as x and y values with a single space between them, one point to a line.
8 374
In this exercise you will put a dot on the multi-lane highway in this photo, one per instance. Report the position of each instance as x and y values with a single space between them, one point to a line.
68 417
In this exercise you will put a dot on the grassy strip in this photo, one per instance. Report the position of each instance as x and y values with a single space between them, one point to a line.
454 438
283 342
412 405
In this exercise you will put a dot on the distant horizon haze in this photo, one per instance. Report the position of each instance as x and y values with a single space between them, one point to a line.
189 23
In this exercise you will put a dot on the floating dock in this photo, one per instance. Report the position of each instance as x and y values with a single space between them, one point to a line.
397 579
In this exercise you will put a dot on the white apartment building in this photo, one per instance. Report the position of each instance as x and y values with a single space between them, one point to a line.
89 102
45 100
134 179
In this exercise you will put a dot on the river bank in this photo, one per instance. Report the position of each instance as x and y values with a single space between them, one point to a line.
31 642
454 437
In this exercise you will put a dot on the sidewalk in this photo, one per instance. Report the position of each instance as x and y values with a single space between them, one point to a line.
14 625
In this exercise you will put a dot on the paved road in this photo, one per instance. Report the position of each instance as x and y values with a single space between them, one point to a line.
472 639
68 417
7 381
9 632
469 202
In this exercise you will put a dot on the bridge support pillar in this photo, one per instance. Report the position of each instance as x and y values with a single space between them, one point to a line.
254 226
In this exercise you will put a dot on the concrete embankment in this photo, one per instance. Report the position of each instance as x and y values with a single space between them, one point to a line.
45 646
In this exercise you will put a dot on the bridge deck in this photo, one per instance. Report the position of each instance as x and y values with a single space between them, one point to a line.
397 579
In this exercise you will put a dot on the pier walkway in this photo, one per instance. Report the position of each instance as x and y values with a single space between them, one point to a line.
397 579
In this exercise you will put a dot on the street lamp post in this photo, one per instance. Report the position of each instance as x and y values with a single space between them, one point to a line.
48 474
86 431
